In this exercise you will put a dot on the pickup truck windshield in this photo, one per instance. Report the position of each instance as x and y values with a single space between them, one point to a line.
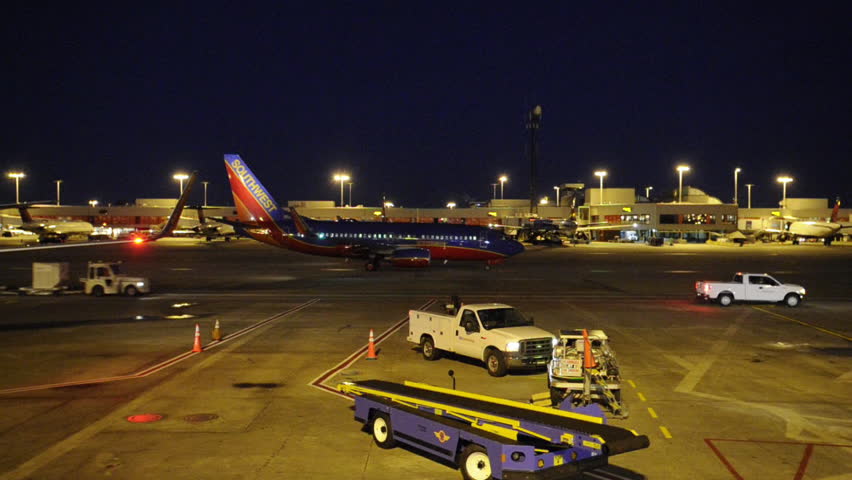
502 318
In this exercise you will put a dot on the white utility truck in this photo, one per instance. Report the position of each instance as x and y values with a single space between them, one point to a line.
750 287
494 333
106 278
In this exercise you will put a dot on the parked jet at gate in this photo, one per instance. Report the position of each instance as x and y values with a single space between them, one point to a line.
402 244
826 230
50 231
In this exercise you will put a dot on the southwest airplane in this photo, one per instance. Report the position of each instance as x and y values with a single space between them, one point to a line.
401 244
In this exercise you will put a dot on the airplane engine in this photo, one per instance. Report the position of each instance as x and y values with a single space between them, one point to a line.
411 257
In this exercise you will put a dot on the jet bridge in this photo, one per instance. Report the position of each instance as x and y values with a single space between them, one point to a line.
487 437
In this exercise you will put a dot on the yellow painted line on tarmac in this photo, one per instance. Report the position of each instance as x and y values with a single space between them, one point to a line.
665 431
806 324
641 397
652 412
631 383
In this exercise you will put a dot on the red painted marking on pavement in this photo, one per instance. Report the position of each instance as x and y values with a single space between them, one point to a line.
800 473
723 459
319 382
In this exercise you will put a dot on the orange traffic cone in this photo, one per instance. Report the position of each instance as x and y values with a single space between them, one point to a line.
588 358
371 350
196 347
217 334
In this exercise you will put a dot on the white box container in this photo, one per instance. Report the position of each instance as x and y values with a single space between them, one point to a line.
50 275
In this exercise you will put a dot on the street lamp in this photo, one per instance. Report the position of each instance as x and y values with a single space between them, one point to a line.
350 193
341 177
749 185
736 197
205 193
557 194
17 176
601 174
543 201
648 192
451 205
784 180
180 177
93 203
388 204
57 182
493 191
680 170
503 179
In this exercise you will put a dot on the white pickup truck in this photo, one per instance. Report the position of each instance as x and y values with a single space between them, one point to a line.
750 287
495 333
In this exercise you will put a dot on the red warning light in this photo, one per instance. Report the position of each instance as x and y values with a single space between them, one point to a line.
145 418
138 240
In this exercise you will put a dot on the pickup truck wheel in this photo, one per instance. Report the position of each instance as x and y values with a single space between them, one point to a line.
792 300
98 291
726 299
131 291
382 433
430 353
474 463
495 362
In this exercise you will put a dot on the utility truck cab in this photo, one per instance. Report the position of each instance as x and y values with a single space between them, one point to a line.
106 278
494 333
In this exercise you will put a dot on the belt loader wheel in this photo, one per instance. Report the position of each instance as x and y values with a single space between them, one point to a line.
474 463
382 433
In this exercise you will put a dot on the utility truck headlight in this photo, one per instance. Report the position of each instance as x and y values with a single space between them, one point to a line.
513 346
554 342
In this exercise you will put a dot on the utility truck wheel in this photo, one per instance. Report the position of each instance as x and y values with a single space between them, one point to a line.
131 291
474 463
496 363
430 353
726 299
98 291
382 433
792 300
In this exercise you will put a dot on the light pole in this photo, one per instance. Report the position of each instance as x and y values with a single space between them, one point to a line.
341 177
350 193
17 176
503 179
749 185
493 191
205 193
680 170
451 205
784 180
57 182
601 174
648 192
180 177
736 197
557 194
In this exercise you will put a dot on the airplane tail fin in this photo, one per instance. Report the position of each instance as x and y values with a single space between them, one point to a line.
301 225
172 222
834 213
254 203
25 213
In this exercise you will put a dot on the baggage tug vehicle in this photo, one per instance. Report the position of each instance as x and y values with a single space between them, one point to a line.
487 437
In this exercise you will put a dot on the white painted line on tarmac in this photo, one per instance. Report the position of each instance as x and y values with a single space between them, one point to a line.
680 271
691 379
165 364
319 382
47 247
180 269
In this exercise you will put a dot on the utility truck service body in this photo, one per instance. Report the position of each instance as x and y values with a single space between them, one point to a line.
750 287
495 333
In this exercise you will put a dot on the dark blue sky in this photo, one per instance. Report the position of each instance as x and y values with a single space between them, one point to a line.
425 101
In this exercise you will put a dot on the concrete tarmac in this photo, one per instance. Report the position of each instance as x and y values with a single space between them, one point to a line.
748 391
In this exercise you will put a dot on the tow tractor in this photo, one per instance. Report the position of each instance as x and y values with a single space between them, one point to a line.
106 278
488 437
